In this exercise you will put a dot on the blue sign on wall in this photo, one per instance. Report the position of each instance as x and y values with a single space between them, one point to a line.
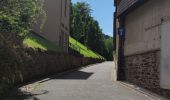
121 31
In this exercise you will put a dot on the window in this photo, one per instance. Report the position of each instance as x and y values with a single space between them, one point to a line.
61 39
61 8
65 9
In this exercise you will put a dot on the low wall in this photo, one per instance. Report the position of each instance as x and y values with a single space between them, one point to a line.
45 63
144 70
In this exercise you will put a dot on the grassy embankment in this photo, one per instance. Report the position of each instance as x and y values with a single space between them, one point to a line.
35 41
83 49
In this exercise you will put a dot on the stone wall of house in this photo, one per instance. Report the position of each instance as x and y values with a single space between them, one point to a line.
56 23
143 70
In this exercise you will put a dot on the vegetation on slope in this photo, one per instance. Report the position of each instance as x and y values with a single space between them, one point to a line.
35 41
83 49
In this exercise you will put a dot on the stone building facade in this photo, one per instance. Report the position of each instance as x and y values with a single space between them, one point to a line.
142 50
57 22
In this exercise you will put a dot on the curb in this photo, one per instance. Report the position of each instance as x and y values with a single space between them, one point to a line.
143 91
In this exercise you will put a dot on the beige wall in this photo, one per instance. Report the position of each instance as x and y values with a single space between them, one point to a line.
147 28
165 47
143 26
165 56
116 55
56 27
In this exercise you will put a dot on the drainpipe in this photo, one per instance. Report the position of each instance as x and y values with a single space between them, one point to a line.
121 57
114 40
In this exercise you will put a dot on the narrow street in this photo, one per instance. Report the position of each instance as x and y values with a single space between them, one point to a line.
90 83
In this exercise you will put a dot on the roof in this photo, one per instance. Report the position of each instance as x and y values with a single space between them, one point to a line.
126 6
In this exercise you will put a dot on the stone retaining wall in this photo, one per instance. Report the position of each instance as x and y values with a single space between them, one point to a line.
45 63
143 70
18 62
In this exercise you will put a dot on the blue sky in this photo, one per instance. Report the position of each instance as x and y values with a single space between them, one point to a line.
103 13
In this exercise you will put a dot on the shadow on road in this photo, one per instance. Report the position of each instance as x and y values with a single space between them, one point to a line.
75 75
17 94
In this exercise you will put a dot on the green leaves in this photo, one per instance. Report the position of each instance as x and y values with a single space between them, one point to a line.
17 16
16 19
85 29
79 20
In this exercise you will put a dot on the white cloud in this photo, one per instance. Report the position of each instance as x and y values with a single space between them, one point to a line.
109 33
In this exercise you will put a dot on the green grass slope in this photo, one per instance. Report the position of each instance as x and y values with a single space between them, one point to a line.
35 41
83 49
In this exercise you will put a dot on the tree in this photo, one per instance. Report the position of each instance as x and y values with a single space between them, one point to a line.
79 20
86 29
17 16
109 46
94 36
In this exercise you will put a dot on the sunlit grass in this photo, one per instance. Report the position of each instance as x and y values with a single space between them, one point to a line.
35 41
83 49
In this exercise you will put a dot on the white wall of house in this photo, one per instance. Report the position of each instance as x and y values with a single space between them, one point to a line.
143 26
115 69
65 21
165 56
51 28
56 27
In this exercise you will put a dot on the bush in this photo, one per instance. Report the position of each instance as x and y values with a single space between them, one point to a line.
17 16
10 63
16 20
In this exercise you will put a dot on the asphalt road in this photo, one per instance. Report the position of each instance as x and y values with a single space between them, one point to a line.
90 83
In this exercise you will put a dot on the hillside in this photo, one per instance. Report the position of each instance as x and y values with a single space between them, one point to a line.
107 36
83 49
35 41
108 40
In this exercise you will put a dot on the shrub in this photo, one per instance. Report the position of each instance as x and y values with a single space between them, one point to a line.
17 16
16 20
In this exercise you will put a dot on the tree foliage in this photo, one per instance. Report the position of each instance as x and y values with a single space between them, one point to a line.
86 29
17 16
79 20
109 46
16 19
